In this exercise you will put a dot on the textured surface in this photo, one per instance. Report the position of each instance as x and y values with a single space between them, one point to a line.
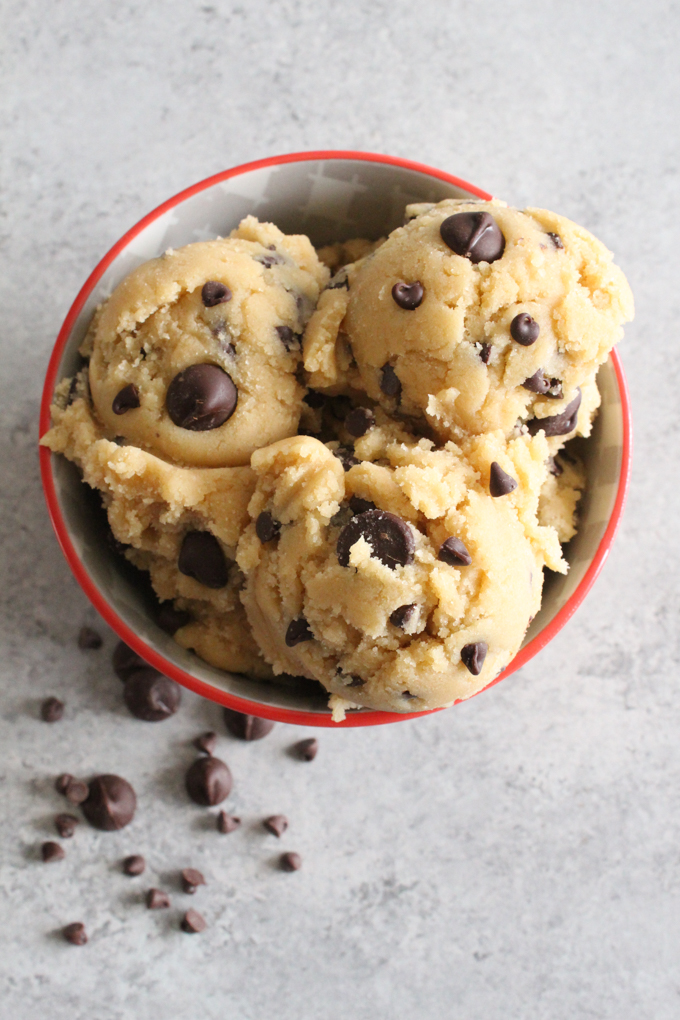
515 857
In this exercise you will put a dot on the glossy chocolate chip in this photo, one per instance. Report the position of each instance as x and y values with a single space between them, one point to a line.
288 338
193 922
201 557
555 238
110 804
134 865
208 781
51 852
126 662
403 615
66 825
76 791
191 878
485 353
307 750
453 552
389 381
89 640
215 293
346 457
524 329
201 398
126 399
558 424
170 619
391 539
474 235
276 824
359 421
51 710
290 861
537 383
297 632
266 527
473 656
227 823
408 295
206 742
75 933
247 727
156 899
150 696
500 482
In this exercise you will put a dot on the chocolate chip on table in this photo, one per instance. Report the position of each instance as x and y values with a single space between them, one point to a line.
290 861
134 865
150 696
206 742
215 293
126 662
157 899
89 639
474 235
390 383
76 791
266 528
314 399
191 879
66 825
193 922
201 397
170 619
201 556
485 353
359 506
227 823
473 656
61 783
359 421
537 383
208 781
307 749
555 238
402 615
276 824
288 338
52 709
110 804
558 424
453 552
346 457
391 539
75 933
247 727
524 329
51 852
408 295
126 399
500 482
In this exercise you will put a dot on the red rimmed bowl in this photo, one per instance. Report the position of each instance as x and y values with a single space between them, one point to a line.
331 196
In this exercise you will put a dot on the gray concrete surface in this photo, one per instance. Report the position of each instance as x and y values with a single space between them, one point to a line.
516 857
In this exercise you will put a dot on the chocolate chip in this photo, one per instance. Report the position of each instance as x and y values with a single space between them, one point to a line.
453 552
554 467
524 329
170 619
227 823
126 662
389 381
555 238
134 865
126 399
500 482
51 852
558 424
266 528
206 742
288 338
75 933
76 791
474 235
191 879
338 281
485 353
290 861
110 804
473 655
269 260
408 295
391 539
66 825
61 783
297 632
537 383
201 557
360 506
156 899
247 727
555 391
193 922
314 399
201 397
359 421
403 615
346 457
89 639
307 749
208 781
276 824
150 696
215 293
52 709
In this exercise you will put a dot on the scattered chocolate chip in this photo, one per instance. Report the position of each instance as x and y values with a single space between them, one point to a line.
247 727
473 655
52 709
134 865
297 632
307 749
391 539
389 381
266 528
208 781
360 506
359 421
89 639
75 933
314 399
276 824
126 400
537 383
126 662
403 615
193 922
206 742
524 329
288 338
500 482
76 791
61 783
110 804
156 899
474 235
290 861
201 397
191 879
227 823
51 852
485 353
558 424
215 293
408 295
555 238
554 467
201 556
150 696
346 457
269 260
453 552
170 619
66 825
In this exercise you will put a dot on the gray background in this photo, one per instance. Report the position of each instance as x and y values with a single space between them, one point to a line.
516 857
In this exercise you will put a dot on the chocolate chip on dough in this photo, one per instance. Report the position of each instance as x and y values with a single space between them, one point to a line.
485 353
215 293
359 506
558 424
170 619
359 421
453 552
201 557
408 295
474 235
266 527
346 457
555 238
500 482
288 338
298 631
524 329
537 383
403 615
110 804
389 381
201 397
126 399
473 656
391 539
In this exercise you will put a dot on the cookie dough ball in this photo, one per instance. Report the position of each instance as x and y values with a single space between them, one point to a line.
401 584
477 317
194 355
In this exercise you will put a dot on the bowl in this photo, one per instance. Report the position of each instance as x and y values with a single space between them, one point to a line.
331 196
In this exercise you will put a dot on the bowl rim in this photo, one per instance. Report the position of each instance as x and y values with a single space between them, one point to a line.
368 717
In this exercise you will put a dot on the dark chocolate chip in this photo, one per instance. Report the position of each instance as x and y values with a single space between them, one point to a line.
201 397
51 852
360 506
314 399
288 338
76 791
156 899
338 281
453 552
89 639
403 615
227 823
555 238
391 539
150 696
290 861
191 879
75 933
297 632
215 293
485 353
208 781
269 260
52 709
473 655
247 727
126 662
66 825
276 824
134 865
206 742
126 400
110 804
389 381
474 235
554 467
537 383
266 528
346 457
201 557
61 783
555 391
170 619
524 329
193 922
500 482
359 421
558 424
307 749
408 295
